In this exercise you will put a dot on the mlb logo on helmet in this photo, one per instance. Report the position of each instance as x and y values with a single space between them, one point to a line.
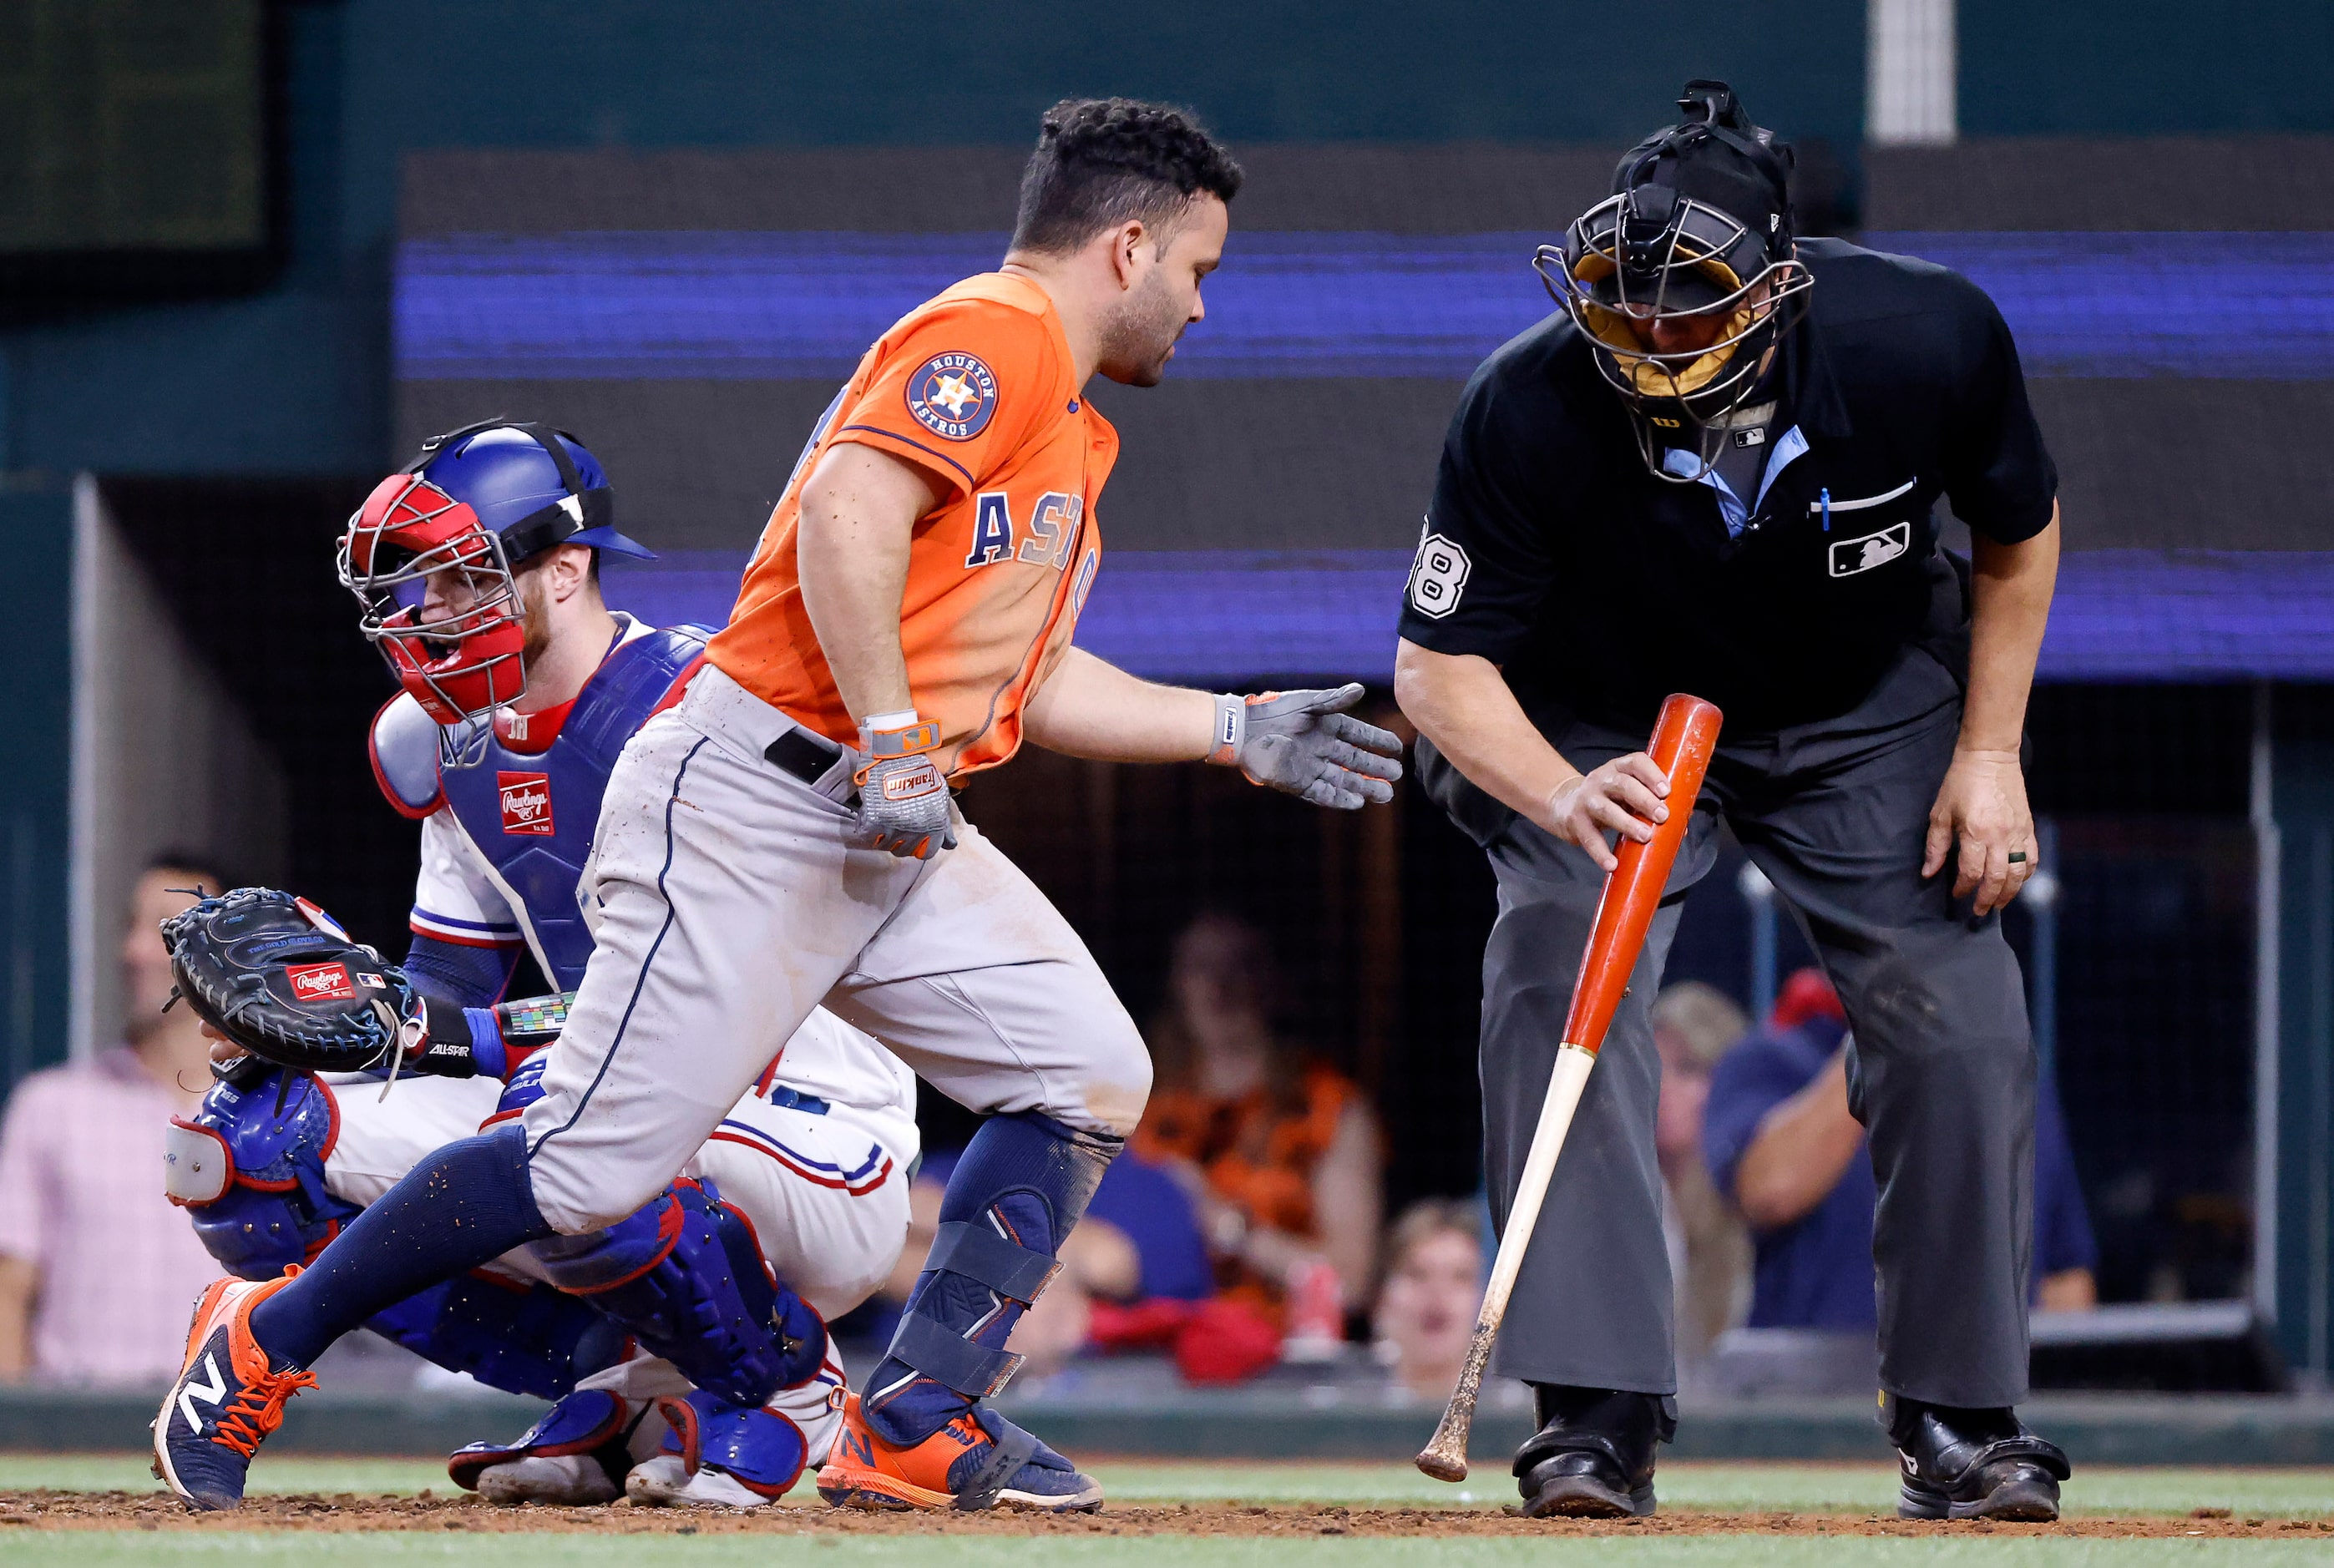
526 803
320 983
953 396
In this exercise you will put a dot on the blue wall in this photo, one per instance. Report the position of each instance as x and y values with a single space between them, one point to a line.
296 381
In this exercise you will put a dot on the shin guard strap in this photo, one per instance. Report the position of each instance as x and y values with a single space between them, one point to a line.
973 1370
986 1258
1011 1448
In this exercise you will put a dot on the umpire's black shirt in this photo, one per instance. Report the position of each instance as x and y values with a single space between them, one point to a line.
1599 589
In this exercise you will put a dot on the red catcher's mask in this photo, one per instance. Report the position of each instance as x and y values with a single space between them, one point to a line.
467 657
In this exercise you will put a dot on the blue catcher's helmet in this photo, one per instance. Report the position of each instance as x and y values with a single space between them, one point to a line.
477 504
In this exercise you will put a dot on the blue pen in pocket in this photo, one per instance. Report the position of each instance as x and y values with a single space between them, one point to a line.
1827 509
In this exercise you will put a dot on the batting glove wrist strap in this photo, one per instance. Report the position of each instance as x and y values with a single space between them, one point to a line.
1305 744
903 798
1231 728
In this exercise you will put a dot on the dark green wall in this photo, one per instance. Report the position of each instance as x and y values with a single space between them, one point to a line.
36 540
2144 67
296 381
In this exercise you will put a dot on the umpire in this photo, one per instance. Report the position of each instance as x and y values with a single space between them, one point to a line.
1713 472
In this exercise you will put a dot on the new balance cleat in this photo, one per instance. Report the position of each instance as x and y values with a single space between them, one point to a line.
228 1396
978 1461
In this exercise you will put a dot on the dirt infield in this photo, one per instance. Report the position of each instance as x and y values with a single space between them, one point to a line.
57 1510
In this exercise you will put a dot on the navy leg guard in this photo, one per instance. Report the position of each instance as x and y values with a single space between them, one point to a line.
464 1205
521 1338
686 1277
248 1167
1024 1181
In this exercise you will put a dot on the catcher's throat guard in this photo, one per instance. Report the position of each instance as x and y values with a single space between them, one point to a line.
1661 253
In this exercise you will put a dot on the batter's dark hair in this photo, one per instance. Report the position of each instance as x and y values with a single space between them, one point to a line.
1103 161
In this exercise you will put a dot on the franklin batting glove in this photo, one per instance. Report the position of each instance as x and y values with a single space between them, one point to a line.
1304 744
903 799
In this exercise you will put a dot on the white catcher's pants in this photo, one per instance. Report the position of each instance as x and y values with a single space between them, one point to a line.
828 1201
728 905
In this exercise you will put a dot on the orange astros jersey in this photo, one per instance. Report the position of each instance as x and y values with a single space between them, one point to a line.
974 388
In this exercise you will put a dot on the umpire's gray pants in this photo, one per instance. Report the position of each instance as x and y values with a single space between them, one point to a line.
1942 1075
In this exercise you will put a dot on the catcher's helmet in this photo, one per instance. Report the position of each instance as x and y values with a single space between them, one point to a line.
1698 232
481 501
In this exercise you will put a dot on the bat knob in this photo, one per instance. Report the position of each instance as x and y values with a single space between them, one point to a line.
1440 1466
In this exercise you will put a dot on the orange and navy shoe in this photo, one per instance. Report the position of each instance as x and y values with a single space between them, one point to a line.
979 1460
228 1398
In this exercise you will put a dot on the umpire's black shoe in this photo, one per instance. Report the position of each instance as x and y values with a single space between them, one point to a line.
1959 1463
1593 1456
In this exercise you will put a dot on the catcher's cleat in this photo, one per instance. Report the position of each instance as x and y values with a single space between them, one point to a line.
228 1396
573 1456
717 1455
979 1460
1593 1456
1956 1463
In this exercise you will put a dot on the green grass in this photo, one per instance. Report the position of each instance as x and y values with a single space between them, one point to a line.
1751 1489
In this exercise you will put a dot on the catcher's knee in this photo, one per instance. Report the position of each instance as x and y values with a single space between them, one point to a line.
248 1167
686 1275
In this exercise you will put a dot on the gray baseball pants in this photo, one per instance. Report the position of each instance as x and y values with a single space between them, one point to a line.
1942 1074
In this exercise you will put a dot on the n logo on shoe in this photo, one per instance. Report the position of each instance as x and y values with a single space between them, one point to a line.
210 1393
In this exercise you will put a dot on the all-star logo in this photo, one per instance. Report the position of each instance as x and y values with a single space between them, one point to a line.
321 981
526 803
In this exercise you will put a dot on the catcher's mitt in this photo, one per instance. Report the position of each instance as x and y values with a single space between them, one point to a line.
274 973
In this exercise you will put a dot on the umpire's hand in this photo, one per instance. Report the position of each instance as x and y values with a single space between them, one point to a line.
1982 805
1624 796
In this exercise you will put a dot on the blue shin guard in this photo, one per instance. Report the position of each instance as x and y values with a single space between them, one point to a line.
685 1276
1023 1183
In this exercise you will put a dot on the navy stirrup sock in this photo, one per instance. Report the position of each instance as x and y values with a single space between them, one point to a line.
466 1204
1023 1183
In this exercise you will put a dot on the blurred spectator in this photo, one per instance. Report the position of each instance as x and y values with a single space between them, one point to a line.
1139 1241
96 1266
1694 1026
1282 1154
1780 1141
1433 1287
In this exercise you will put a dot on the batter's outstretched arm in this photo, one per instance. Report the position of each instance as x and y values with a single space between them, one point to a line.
858 513
1461 703
1091 708
1301 743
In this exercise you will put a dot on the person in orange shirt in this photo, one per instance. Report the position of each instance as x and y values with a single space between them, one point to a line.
785 836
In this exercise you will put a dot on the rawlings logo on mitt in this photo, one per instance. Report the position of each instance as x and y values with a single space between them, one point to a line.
274 975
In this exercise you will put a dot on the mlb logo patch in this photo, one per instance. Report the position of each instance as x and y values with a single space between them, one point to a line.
953 396
526 803
1850 556
320 983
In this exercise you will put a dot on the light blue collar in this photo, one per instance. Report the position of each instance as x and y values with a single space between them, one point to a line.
1792 447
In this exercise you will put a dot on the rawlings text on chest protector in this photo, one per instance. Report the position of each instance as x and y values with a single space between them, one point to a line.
532 814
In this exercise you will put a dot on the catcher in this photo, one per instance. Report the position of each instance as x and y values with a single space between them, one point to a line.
477 570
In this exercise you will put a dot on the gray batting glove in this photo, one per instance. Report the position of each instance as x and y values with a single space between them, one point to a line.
903 799
1304 744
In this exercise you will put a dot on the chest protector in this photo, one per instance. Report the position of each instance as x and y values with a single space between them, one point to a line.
532 813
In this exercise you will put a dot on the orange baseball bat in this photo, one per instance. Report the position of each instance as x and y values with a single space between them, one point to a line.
1684 738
